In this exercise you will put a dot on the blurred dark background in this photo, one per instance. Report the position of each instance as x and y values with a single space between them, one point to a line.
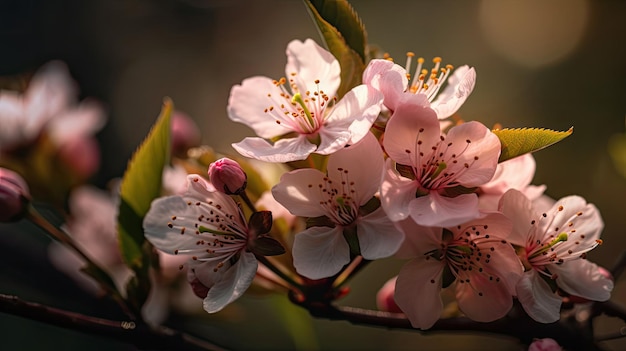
551 64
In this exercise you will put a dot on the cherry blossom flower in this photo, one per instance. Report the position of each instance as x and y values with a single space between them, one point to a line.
210 227
553 249
475 255
352 179
397 83
434 173
304 105
516 173
48 105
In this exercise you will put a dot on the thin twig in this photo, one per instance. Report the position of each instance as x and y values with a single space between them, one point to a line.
140 335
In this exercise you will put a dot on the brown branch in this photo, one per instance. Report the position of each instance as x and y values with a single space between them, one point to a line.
140 335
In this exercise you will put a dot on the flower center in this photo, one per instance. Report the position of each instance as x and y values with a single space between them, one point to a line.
424 81
221 236
339 199
303 112
439 166
561 241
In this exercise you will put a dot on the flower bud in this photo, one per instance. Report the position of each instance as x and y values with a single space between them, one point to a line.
14 195
385 300
185 134
227 176
546 344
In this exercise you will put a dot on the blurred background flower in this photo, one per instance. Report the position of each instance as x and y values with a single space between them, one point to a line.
543 64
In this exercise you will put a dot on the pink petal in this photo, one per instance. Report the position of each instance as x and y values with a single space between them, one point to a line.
516 173
588 224
417 291
320 252
360 165
482 299
537 299
583 278
411 129
481 153
233 284
85 120
284 150
436 210
460 85
311 62
519 209
356 112
418 239
378 237
294 193
247 104
396 192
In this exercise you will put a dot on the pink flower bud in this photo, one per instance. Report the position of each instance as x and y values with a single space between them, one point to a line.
14 195
82 155
385 300
227 176
185 134
546 344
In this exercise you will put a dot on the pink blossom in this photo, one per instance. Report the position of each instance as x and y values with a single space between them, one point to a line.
554 245
49 104
475 255
516 173
385 300
209 228
304 104
430 175
352 179
423 86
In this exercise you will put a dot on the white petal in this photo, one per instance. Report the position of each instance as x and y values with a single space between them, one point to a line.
361 164
378 237
585 218
582 278
417 291
396 193
283 150
247 104
537 298
436 210
320 252
233 284
311 62
460 85
157 230
294 193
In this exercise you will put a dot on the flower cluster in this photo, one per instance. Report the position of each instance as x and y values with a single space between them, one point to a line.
377 172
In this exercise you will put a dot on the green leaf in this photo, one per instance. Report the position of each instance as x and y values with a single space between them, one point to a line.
516 142
341 15
345 38
142 183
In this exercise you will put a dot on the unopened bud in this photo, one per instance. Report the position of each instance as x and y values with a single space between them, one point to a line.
14 196
546 344
385 297
185 134
227 176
